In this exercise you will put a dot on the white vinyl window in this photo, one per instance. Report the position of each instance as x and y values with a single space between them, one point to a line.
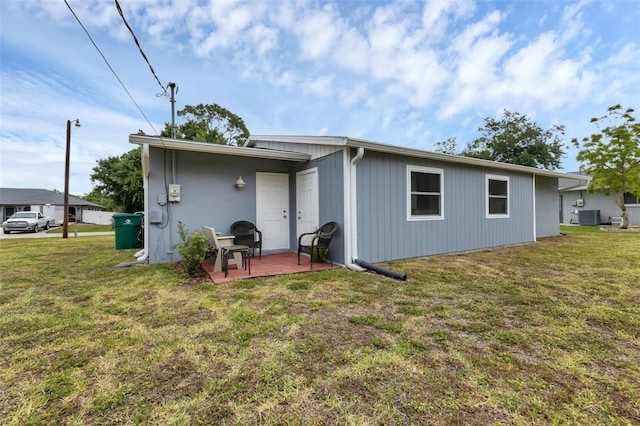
424 193
631 199
497 190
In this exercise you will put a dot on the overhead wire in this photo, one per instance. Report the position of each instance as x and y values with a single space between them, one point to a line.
135 39
111 68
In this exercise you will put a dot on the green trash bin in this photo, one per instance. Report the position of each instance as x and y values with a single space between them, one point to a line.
127 227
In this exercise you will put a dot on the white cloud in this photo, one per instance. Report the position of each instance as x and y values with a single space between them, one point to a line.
321 86
478 52
572 22
318 32
435 15
264 38
540 73
352 52
223 24
353 95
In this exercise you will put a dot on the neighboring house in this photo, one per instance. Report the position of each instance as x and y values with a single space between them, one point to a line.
49 203
574 199
389 202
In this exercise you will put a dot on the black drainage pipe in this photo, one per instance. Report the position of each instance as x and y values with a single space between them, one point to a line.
387 272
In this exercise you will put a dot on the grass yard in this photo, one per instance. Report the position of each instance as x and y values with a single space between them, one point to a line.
81 227
546 333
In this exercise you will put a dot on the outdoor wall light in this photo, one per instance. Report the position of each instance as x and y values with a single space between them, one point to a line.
240 183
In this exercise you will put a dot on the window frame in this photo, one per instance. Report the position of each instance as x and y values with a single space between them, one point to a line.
426 170
488 196
637 203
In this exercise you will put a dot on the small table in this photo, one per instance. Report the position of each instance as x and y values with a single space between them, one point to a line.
226 241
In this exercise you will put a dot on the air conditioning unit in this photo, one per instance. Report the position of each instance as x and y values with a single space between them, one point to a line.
589 217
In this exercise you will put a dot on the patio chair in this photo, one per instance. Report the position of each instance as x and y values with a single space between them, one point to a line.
319 242
212 249
225 251
248 234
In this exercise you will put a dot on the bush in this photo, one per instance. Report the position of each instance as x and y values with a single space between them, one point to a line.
192 249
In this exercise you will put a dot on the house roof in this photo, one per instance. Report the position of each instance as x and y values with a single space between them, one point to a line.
412 152
574 188
34 196
214 148
251 150
574 184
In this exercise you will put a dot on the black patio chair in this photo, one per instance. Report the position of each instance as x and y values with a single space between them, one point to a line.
319 244
246 233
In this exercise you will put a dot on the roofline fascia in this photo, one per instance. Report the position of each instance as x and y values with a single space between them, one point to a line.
459 159
313 140
574 188
399 150
213 148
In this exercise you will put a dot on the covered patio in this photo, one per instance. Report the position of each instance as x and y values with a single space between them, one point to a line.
269 265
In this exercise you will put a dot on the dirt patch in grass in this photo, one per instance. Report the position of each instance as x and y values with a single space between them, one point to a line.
201 276
618 229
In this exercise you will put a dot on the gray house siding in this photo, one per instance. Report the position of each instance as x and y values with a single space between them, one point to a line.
208 195
331 200
595 201
384 233
381 229
547 218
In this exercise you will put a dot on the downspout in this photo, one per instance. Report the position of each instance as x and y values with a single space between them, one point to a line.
353 210
535 233
143 254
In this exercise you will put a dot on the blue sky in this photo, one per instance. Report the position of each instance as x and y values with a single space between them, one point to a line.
407 73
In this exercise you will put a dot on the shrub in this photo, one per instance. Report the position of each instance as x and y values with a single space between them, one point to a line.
192 249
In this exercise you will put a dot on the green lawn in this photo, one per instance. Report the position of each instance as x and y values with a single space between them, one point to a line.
81 227
544 333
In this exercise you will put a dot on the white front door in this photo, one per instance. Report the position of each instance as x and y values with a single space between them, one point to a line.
307 204
272 205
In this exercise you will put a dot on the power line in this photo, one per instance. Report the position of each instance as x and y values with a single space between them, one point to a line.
135 39
110 67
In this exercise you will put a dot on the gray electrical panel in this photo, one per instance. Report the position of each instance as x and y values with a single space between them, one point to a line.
155 216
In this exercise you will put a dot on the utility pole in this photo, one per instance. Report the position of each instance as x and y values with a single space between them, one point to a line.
65 219
174 90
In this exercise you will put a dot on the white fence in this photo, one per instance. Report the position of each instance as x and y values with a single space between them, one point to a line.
97 217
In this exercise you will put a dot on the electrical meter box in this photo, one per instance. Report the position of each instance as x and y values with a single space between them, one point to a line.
174 192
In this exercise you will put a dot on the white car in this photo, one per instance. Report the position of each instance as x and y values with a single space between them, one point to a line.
26 221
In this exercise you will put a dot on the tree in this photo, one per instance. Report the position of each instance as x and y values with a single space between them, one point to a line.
612 157
210 123
100 197
446 147
120 179
516 139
